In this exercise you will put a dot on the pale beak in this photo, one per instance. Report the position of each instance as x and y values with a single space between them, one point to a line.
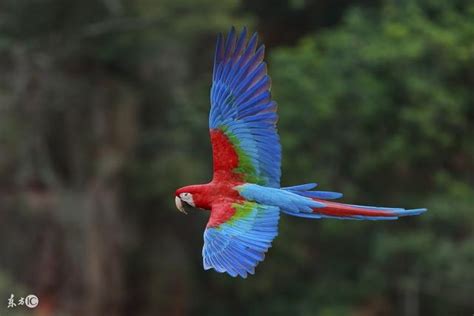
179 205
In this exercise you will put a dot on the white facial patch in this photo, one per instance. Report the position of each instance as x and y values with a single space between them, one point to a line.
188 198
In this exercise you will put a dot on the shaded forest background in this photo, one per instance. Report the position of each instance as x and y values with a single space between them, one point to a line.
103 114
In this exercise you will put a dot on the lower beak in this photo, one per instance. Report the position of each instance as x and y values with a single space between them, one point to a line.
179 205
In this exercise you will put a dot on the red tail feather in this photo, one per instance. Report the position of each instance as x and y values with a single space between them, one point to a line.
344 210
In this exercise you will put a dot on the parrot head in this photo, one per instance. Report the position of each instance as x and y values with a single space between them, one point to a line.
196 196
183 196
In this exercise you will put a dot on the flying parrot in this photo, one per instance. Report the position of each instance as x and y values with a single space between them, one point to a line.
245 198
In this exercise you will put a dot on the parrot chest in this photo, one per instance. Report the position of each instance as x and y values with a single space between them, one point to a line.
219 191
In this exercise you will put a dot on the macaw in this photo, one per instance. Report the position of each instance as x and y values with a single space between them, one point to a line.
245 198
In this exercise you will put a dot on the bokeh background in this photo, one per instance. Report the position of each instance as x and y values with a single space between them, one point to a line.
103 114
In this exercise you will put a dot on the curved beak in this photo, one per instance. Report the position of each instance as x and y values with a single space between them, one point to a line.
179 205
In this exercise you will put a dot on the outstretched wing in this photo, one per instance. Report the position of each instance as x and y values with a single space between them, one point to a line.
242 120
238 235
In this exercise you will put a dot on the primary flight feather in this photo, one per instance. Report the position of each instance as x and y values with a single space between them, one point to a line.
245 198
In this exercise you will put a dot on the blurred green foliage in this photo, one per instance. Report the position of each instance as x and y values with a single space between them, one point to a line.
382 107
104 109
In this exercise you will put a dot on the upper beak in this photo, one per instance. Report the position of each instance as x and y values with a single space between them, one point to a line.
179 205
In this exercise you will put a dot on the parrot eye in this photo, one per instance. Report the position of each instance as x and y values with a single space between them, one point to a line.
187 197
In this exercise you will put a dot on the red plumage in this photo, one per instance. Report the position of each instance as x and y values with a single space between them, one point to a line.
221 190
342 210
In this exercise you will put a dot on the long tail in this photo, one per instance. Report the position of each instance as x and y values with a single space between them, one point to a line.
327 209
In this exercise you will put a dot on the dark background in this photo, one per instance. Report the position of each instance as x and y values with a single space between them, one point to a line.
103 114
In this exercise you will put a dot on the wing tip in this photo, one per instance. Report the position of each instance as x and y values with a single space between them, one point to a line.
243 273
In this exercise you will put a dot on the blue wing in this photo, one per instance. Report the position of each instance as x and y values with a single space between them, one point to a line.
238 235
242 109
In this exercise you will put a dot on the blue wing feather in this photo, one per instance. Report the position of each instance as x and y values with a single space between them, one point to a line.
239 244
241 104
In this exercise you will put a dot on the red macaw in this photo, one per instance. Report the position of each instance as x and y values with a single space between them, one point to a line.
244 197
